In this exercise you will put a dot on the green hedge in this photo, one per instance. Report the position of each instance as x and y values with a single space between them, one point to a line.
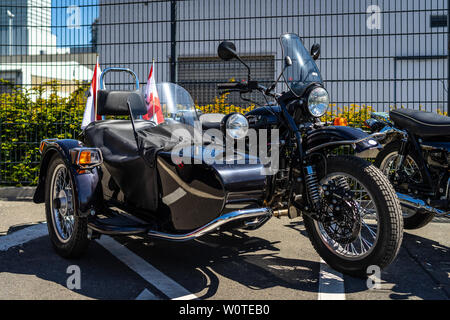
26 118
29 116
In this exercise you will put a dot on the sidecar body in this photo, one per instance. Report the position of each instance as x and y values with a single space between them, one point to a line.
130 177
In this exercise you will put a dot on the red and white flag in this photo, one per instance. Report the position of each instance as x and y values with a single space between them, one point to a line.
90 112
154 111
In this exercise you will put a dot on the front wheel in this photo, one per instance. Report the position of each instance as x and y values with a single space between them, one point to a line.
361 221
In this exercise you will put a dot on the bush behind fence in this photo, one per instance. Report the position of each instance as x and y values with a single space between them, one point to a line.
29 116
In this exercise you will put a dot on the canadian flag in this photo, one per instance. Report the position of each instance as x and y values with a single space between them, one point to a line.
90 112
154 111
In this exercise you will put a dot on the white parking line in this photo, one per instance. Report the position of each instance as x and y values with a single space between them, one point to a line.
146 295
23 236
159 280
331 283
166 285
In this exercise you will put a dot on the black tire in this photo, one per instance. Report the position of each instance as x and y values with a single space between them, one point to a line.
390 223
78 242
415 219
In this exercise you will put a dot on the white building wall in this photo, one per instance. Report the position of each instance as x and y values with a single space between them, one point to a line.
359 64
67 71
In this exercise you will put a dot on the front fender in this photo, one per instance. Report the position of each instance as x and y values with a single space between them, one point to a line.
87 185
325 135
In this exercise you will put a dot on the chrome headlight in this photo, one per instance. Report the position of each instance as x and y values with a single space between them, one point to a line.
236 126
318 102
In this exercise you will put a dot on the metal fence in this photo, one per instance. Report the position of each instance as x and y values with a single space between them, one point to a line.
375 55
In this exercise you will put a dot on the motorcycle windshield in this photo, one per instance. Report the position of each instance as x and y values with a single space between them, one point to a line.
169 103
303 70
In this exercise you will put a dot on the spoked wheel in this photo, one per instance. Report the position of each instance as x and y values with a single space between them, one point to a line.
352 231
67 231
387 162
361 223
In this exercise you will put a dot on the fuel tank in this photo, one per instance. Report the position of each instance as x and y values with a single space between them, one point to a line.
264 117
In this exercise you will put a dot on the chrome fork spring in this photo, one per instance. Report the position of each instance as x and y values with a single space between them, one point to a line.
312 184
343 183
447 194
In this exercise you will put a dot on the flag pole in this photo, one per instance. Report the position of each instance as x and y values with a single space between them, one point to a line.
153 74
96 93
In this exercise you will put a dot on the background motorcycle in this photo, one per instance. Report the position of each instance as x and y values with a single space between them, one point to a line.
350 209
416 159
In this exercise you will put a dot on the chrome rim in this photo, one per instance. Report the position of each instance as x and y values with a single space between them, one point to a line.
411 168
61 203
367 227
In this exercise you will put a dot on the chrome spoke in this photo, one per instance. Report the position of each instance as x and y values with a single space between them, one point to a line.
63 216
358 245
366 242
370 230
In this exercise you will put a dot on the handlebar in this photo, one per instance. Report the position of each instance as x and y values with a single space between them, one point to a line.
242 87
232 86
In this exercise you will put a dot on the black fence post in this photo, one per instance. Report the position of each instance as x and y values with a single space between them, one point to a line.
448 58
173 41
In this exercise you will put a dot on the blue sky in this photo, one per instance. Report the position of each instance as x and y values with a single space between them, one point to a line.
61 15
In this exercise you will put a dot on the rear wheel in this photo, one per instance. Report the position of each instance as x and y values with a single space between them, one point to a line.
68 232
362 223
386 161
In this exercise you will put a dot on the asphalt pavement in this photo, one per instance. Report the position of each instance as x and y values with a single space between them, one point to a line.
274 262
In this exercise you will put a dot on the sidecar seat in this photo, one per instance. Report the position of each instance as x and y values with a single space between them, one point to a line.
115 138
115 103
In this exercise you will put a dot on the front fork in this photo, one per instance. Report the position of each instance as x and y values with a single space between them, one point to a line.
402 154
407 142
311 181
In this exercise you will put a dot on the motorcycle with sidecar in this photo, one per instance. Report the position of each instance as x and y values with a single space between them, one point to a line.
124 177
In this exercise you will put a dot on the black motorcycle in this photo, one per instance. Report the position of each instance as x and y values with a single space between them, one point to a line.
416 159
350 210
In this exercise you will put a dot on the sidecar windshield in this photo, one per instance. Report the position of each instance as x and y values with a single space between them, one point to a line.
303 70
171 103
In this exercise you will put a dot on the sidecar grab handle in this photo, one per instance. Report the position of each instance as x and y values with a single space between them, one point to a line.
136 79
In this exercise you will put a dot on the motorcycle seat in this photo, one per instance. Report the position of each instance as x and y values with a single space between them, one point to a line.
422 124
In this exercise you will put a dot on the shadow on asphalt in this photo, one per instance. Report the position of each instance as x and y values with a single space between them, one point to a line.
102 276
239 256
233 255
410 275
421 269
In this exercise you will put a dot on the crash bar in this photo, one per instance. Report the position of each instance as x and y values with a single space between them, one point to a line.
216 223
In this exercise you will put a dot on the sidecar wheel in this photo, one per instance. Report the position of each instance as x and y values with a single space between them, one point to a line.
67 231
366 233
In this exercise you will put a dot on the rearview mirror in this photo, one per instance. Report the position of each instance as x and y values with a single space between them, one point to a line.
287 61
227 50
315 51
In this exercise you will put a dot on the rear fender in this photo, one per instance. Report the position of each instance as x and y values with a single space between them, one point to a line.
330 138
87 185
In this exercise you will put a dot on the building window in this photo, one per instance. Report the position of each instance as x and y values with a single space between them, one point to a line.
200 76
438 21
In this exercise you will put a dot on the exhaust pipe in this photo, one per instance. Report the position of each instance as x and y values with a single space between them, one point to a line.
413 203
260 214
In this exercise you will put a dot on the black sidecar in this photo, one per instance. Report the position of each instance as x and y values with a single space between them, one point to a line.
122 177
